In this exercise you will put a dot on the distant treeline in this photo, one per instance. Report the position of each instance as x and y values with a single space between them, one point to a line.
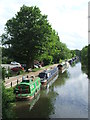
84 55
84 58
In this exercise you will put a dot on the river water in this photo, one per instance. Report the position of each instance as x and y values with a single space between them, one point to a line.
66 98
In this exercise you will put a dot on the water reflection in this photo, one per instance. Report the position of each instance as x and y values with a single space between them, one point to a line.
86 70
23 108
62 78
72 99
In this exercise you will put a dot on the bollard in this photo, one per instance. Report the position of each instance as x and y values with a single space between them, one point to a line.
27 76
17 81
8 76
11 84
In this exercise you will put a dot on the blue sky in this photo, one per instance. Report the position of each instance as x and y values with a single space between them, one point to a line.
68 18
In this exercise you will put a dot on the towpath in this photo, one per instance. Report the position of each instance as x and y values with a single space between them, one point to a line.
12 81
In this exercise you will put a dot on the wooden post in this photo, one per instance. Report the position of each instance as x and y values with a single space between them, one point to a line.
17 81
11 84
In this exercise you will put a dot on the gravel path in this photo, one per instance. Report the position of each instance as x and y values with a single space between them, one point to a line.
12 81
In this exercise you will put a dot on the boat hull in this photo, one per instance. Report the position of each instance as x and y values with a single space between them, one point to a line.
21 97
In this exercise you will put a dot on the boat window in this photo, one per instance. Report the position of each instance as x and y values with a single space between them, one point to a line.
60 65
42 75
23 89
27 81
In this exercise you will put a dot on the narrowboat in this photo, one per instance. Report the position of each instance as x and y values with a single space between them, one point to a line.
28 88
47 76
63 66
70 61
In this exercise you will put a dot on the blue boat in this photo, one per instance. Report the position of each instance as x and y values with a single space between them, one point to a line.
47 76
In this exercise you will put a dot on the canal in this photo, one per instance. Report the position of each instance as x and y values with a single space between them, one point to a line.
66 98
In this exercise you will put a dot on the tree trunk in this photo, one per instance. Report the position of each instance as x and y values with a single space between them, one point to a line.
29 63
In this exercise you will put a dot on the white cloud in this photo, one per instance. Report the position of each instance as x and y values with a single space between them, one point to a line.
68 18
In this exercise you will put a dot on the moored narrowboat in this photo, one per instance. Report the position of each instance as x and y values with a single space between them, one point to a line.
70 61
63 66
28 88
47 76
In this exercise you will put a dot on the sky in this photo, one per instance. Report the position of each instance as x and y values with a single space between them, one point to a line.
68 18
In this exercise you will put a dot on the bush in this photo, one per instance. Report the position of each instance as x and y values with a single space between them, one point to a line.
60 61
48 60
8 73
8 97
3 73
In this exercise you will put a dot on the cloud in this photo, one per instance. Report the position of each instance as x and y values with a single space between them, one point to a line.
69 19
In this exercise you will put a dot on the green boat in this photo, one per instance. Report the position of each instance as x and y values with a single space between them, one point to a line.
28 88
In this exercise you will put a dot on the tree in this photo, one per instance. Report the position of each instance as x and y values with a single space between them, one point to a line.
78 53
84 56
26 34
55 50
73 53
85 59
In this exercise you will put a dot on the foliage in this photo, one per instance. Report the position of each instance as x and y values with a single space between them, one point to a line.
8 97
29 36
78 53
60 61
26 34
55 50
73 53
3 73
85 59
36 69
84 55
0 55
5 56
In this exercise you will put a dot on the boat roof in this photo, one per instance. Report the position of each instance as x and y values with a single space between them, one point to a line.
30 82
62 63
48 70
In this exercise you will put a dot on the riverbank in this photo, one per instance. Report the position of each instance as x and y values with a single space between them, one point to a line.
12 81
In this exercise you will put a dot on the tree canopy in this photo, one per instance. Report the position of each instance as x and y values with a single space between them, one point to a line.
26 33
29 36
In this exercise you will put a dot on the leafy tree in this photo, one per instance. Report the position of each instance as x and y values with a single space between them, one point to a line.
55 49
73 53
0 55
29 36
85 59
84 55
51 48
26 34
78 53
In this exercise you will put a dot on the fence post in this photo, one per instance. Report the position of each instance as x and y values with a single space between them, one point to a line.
11 84
17 81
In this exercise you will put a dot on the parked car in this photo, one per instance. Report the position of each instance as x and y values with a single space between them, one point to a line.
37 66
16 69
15 63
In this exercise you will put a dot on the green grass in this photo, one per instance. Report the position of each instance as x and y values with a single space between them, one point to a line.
36 69
47 66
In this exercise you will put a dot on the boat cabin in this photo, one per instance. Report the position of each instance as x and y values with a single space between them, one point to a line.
28 88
